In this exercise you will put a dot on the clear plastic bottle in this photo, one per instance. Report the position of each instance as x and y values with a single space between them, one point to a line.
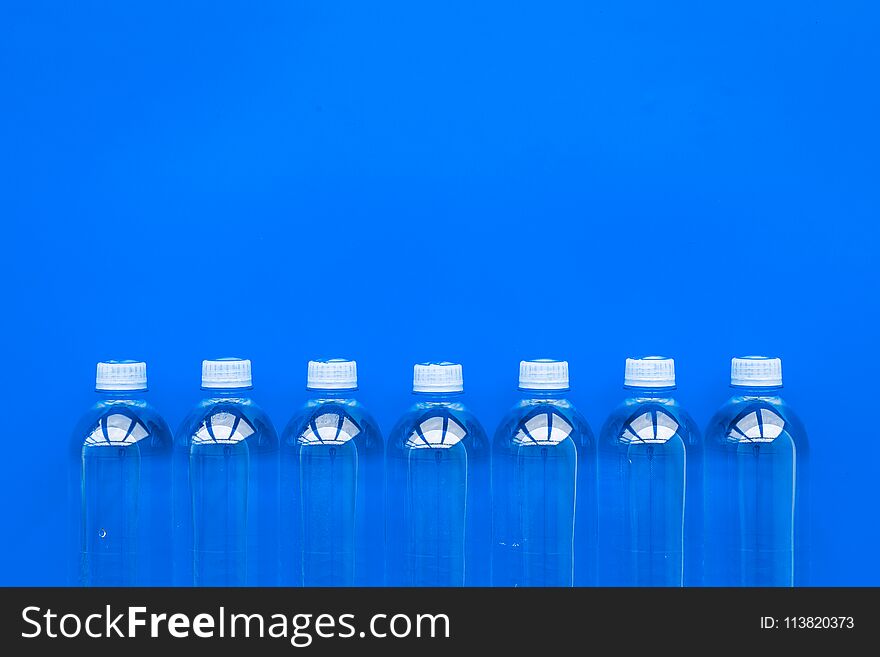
756 483
544 485
650 468
120 507
333 484
438 511
226 485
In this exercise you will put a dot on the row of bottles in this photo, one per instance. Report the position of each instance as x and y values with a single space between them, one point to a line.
225 501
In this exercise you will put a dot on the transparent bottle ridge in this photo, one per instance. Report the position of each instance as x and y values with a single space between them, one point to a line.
544 486
225 483
649 483
119 483
438 487
332 465
757 483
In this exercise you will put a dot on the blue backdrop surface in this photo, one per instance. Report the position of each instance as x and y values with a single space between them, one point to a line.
400 181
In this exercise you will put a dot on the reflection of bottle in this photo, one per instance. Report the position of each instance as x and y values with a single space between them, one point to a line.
226 485
649 483
439 525
121 511
543 468
333 483
756 478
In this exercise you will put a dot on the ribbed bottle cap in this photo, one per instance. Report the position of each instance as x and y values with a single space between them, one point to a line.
437 377
650 372
121 375
543 374
757 371
332 374
226 373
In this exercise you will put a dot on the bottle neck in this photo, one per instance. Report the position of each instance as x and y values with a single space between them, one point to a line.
637 392
227 393
437 397
756 391
529 393
332 394
121 395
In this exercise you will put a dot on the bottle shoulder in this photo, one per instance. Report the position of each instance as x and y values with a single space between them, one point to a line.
749 417
334 420
649 420
542 418
738 404
226 419
429 424
121 422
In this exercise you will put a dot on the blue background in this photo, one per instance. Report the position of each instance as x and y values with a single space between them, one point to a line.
396 182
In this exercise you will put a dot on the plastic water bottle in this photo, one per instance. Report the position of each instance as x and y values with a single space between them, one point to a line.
756 483
119 485
649 477
333 482
226 485
543 485
438 519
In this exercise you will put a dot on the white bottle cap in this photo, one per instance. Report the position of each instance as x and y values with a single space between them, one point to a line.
437 377
332 374
757 371
226 373
543 374
121 375
650 372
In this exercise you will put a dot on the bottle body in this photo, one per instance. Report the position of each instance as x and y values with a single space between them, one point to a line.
544 495
332 465
438 487
225 485
119 492
757 494
650 471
